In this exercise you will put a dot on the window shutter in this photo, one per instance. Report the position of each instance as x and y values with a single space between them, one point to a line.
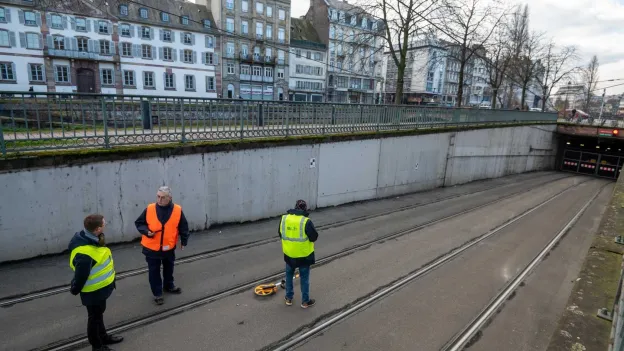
67 43
88 25
75 44
173 36
73 23
174 54
20 13
120 48
215 59
174 80
131 30
206 83
110 28
90 45
154 57
65 22
30 78
206 41
12 40
23 39
161 32
97 46
204 57
112 48
165 80
194 56
101 77
161 53
49 20
14 71
151 33
192 39
43 72
38 19
69 74
181 55
7 15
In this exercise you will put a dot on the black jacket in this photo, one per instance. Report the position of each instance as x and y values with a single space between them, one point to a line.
83 264
312 236
163 213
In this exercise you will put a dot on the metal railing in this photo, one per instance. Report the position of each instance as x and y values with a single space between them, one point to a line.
594 122
32 121
616 315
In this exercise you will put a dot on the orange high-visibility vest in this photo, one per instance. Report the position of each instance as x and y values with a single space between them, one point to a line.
165 236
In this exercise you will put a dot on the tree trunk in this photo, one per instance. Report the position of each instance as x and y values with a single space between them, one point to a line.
494 97
460 88
524 89
398 98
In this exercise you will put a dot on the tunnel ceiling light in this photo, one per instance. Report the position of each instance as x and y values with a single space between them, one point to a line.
582 144
597 146
568 143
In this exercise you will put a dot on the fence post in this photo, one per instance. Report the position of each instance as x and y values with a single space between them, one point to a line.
242 124
105 121
260 115
287 115
2 144
146 112
182 120
333 115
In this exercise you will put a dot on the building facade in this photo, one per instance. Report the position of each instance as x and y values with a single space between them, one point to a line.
255 39
354 53
308 63
131 49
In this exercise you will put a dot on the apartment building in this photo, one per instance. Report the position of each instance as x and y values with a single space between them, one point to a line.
308 63
159 48
255 36
354 53
480 92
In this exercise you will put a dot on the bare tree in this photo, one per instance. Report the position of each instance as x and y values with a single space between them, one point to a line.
518 35
497 63
557 65
526 66
472 23
590 77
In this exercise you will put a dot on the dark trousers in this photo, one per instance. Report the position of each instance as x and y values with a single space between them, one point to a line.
96 331
156 282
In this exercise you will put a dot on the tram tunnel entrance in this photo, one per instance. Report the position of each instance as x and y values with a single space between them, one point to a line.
600 157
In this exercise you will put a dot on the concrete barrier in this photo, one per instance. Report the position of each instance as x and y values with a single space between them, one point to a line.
42 208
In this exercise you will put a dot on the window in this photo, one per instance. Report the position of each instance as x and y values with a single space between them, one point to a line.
342 17
269 31
245 6
229 49
189 82
123 10
166 35
353 20
62 74
210 84
146 52
280 57
142 14
4 38
298 52
188 56
57 21
244 50
363 22
229 4
245 70
209 58
259 29
282 15
148 80
146 33
30 19
126 49
164 17
207 24
129 78
59 42
105 47
332 32
229 25
81 24
6 71
268 52
259 7
280 73
167 54
230 68
83 44
33 41
269 11
107 76
169 81
3 17
318 56
187 38
281 35
268 72
185 20
209 41
36 72
103 27
125 30
245 27
257 71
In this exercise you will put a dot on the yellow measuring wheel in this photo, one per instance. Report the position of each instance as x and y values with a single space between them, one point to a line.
270 289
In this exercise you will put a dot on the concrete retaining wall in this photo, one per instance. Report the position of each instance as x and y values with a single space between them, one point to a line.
42 208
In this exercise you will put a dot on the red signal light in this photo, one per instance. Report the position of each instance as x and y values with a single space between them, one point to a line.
616 132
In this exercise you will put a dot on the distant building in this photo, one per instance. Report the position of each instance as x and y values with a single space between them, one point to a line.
308 63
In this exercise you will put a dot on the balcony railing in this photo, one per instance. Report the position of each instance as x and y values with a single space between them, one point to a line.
256 78
259 37
229 55
267 79
83 55
245 77
281 61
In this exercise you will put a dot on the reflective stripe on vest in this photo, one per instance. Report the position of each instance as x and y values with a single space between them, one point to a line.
165 236
295 242
102 273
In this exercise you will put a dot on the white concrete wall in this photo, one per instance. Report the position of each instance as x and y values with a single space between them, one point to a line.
249 185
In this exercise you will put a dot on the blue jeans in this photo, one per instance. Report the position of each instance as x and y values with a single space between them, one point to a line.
304 275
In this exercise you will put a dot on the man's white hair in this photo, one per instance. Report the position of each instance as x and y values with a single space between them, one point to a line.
165 189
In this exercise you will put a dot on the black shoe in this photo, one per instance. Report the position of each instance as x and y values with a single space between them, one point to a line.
113 339
103 348
174 290
310 303
159 300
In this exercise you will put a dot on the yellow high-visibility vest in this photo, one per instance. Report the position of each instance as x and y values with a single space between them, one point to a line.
102 273
295 242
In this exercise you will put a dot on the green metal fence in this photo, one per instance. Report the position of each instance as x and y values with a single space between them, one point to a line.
46 121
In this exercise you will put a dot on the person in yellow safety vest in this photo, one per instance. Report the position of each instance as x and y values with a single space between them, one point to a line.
94 278
298 236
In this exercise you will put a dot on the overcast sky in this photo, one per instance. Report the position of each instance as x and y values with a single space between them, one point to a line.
594 26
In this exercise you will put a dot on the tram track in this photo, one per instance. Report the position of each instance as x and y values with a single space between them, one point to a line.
9 301
74 342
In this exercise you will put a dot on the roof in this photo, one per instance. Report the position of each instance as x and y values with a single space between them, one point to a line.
343 5
302 33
